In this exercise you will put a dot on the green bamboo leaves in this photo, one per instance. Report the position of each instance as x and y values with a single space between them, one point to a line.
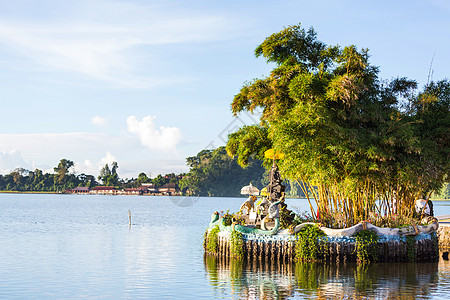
365 144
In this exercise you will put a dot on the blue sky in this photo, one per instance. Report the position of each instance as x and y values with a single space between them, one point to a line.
149 83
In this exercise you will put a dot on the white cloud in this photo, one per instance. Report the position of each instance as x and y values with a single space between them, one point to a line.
152 167
89 152
46 149
107 159
103 39
11 160
131 168
162 138
97 120
86 167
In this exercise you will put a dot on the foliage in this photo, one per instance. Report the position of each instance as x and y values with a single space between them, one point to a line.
248 142
87 180
24 180
143 178
332 219
444 193
228 218
235 218
366 242
302 216
159 181
430 109
214 173
285 218
108 175
394 221
289 219
309 243
357 143
236 247
62 170
293 189
212 240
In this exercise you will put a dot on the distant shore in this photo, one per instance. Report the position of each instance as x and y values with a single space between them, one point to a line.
29 192
49 192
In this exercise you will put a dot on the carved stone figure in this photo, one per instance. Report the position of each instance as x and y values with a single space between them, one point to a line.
248 205
275 188
424 207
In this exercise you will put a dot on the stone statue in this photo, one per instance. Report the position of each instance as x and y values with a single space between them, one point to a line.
424 207
274 210
275 188
248 205
263 207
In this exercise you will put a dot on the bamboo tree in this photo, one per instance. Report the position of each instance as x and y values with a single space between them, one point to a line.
348 136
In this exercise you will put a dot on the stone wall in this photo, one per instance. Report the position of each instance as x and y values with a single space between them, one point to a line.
281 248
444 237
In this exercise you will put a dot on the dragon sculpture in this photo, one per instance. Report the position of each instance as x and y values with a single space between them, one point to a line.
409 230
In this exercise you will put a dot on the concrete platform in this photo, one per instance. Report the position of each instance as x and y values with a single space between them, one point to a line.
282 247
444 220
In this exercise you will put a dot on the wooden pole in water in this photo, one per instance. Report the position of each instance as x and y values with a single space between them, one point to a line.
129 218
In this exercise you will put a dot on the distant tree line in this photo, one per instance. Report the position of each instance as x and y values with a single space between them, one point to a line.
212 173
23 180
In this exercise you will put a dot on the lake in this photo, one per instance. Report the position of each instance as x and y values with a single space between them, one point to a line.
74 246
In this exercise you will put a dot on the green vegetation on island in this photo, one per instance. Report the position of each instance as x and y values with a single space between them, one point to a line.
361 144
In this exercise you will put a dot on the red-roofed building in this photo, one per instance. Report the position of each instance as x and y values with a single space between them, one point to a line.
104 190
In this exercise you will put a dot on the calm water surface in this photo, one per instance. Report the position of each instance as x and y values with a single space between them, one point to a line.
72 247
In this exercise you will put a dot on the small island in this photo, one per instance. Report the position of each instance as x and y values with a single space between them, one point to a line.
367 153
268 230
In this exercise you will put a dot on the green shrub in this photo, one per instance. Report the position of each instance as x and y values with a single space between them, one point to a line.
212 240
366 250
237 243
309 244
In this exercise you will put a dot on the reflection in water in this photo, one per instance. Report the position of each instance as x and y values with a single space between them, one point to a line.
250 280
381 281
243 279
